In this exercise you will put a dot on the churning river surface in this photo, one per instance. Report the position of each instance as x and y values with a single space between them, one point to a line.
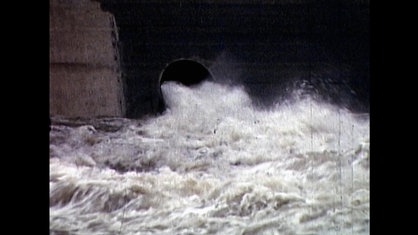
213 164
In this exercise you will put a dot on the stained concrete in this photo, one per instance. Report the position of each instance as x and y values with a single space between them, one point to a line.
85 77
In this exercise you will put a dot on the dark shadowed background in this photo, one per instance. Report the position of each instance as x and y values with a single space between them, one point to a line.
270 47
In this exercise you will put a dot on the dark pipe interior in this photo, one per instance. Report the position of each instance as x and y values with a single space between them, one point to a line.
187 72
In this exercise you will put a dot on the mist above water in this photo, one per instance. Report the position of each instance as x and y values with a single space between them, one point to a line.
213 164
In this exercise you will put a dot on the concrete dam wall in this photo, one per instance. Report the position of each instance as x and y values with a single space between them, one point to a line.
85 78
269 47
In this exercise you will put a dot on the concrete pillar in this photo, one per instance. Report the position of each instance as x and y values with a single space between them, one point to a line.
85 78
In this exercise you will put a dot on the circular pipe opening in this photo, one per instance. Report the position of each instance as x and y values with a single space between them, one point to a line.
187 72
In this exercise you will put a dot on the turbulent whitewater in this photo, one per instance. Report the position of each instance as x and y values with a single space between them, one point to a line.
213 164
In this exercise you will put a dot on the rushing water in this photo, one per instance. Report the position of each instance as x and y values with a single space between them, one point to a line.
212 164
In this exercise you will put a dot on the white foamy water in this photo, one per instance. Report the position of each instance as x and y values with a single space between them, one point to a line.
212 164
